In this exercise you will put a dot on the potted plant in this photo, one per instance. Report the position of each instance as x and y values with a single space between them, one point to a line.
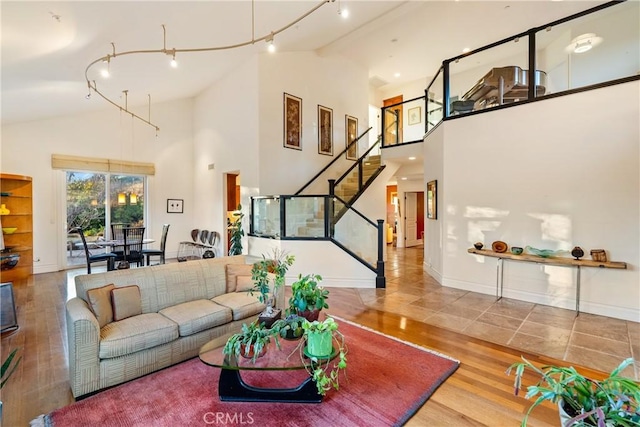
324 353
235 227
614 401
290 328
251 342
277 264
6 370
308 297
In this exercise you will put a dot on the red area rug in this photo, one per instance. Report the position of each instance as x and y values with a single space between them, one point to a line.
386 383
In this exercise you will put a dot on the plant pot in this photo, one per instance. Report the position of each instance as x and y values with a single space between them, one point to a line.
310 315
269 320
319 344
251 351
564 416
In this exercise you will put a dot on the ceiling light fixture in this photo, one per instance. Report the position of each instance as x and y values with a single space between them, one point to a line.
270 46
105 71
174 63
344 13
165 51
412 158
583 43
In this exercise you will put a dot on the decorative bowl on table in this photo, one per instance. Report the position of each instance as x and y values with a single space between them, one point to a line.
499 246
8 261
516 250
544 253
9 230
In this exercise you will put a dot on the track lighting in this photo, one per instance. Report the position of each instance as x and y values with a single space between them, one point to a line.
343 12
270 46
105 71
172 52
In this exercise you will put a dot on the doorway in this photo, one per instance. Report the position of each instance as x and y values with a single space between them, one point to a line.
392 121
414 218
232 195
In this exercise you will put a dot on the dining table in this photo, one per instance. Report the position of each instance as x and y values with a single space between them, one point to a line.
110 244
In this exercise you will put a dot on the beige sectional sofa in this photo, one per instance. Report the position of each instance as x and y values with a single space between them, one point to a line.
127 323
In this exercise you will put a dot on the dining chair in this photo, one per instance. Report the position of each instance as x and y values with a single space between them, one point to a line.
118 234
148 253
133 245
108 257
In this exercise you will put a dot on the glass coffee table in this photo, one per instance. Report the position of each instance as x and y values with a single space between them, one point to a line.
232 388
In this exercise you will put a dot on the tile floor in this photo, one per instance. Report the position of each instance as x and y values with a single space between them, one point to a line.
595 341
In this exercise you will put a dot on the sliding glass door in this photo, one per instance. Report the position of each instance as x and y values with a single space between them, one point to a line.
96 200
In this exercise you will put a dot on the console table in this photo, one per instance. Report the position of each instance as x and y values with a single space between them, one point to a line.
566 262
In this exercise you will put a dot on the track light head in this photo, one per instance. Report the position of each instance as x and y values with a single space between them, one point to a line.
174 63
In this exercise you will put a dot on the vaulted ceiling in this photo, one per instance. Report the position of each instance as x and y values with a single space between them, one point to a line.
46 46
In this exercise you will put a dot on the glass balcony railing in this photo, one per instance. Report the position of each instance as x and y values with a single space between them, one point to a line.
588 50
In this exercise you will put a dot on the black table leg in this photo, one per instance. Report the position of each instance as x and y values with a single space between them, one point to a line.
232 388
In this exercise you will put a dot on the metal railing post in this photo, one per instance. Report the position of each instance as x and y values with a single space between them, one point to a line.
380 279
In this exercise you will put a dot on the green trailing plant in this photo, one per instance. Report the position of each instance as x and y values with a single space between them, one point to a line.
278 263
251 341
8 367
307 294
613 401
237 232
325 372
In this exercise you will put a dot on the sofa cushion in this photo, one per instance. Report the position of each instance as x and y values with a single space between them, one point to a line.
136 333
242 305
126 302
235 270
100 303
196 316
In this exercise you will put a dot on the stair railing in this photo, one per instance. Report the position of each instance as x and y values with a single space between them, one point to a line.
335 159
312 217
362 185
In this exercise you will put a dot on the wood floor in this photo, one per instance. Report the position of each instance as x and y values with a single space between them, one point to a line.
479 393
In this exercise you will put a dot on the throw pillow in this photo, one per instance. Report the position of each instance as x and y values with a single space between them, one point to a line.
126 302
235 270
244 283
100 304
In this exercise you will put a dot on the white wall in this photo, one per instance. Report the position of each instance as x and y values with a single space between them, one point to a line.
333 82
226 121
552 174
27 149
434 167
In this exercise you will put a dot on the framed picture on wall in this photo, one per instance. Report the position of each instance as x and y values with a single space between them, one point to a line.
175 206
292 122
432 208
351 133
325 130
415 115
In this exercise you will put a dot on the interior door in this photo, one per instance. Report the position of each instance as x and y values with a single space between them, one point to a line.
411 219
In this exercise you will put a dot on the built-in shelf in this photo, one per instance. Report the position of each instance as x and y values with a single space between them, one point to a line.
20 205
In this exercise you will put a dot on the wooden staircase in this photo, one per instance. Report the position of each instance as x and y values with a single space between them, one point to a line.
349 187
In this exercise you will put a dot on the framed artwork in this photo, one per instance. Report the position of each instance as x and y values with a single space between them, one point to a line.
325 130
432 208
415 115
292 122
175 206
351 133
